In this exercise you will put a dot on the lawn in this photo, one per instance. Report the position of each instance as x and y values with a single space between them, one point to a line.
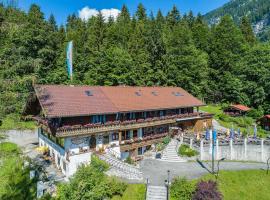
133 192
237 122
213 109
14 122
244 185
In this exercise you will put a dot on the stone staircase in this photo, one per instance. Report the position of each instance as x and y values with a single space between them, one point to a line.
170 152
156 193
120 168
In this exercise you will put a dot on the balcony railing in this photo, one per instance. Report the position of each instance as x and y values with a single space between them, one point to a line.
110 126
141 142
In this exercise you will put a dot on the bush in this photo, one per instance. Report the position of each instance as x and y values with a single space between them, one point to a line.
129 160
182 189
14 179
89 182
255 113
99 164
116 187
166 140
184 150
224 117
160 146
207 190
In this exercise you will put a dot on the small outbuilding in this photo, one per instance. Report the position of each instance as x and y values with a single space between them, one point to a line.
236 110
265 122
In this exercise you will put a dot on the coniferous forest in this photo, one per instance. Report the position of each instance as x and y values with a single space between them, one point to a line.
220 63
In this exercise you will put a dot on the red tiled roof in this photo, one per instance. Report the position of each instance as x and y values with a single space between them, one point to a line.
241 107
267 116
63 100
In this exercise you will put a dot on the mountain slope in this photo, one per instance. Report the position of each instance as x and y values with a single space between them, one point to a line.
258 12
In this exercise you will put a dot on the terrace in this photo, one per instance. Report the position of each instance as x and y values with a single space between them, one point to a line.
93 128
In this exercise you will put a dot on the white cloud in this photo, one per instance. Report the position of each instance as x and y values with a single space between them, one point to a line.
86 13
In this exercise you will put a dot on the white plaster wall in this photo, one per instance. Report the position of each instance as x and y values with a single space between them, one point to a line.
56 152
77 160
252 152
113 142
99 141
73 146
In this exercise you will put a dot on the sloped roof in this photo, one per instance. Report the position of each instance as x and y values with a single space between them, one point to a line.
267 116
241 107
63 100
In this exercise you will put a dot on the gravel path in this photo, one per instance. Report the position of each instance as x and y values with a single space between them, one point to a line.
156 170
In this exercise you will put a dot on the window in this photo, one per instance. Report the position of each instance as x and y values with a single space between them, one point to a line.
135 133
138 93
98 118
177 94
106 139
154 93
140 151
88 93
115 136
125 135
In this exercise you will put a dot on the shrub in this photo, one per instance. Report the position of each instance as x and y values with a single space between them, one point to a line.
129 160
99 164
224 117
182 189
160 146
255 113
116 187
207 190
90 183
184 150
166 140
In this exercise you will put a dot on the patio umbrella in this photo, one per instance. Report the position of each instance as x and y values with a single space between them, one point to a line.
255 131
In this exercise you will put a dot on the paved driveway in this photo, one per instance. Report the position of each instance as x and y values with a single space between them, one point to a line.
156 170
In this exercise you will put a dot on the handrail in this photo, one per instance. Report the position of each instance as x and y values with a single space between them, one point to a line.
176 147
146 185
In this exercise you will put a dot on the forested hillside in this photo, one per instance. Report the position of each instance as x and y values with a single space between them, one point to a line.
224 63
258 12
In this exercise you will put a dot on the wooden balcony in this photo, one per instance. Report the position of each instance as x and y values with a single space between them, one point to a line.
142 143
79 130
112 128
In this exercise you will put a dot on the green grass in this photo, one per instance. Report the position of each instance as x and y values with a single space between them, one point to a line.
237 122
13 122
133 192
213 109
244 185
7 148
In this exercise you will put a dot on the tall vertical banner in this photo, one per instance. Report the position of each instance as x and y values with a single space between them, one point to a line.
69 59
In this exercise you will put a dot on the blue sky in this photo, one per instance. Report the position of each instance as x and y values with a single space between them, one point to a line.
62 8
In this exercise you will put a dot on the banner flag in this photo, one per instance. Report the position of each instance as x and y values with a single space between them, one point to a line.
69 59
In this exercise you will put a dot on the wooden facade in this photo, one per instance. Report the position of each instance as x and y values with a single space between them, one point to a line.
265 122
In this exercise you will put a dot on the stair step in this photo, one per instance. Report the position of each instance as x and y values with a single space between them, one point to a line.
156 193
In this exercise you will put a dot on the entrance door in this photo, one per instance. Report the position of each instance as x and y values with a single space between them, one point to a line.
92 142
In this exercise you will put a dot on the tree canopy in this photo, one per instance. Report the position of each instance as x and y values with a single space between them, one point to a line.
219 63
